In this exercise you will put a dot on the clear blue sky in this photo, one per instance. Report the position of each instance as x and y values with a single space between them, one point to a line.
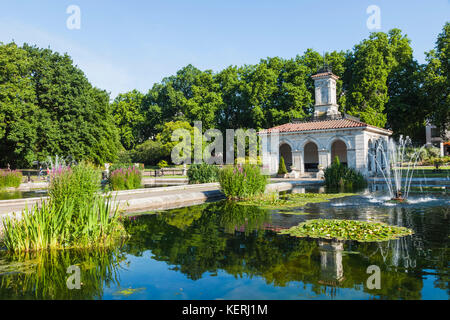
124 45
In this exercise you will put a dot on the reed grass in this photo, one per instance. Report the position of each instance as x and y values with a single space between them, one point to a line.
125 179
10 179
75 216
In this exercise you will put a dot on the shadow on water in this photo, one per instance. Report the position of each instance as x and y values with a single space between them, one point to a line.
225 250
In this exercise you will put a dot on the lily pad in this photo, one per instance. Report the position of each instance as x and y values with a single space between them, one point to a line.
361 231
128 292
292 200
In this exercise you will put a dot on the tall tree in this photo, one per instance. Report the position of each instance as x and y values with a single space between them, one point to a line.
17 107
436 84
129 118
49 107
404 110
367 70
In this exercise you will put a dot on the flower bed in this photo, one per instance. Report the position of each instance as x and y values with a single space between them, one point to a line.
125 179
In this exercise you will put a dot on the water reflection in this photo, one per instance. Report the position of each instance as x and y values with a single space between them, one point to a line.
221 246
332 269
43 275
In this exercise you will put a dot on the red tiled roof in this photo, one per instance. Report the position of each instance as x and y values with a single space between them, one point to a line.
320 125
324 74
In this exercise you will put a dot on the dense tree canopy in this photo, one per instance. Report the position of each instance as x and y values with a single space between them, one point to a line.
48 107
436 82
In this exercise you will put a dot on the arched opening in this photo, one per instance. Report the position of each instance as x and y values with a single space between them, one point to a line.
370 157
311 157
286 153
339 149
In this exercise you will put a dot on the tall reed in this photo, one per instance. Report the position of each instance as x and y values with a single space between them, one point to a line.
125 178
75 216
242 182
10 178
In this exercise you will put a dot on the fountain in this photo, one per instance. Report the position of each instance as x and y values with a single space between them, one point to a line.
390 159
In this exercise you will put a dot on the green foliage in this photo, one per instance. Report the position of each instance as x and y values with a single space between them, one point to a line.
125 156
436 84
42 275
129 117
79 183
242 182
361 231
163 164
123 165
275 201
56 226
439 161
47 106
282 167
150 152
125 179
165 137
75 215
368 68
428 154
338 175
10 179
18 109
202 173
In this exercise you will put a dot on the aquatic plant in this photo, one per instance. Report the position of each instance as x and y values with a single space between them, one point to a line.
10 179
203 173
125 179
275 201
339 175
242 182
361 231
74 216
79 183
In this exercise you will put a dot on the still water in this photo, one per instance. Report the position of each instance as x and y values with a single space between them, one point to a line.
13 195
226 251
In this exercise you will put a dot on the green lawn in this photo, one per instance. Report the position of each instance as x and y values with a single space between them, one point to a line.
429 172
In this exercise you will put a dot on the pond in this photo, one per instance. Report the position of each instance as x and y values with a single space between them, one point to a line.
227 251
13 195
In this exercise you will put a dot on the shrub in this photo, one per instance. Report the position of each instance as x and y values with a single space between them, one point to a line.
125 179
10 179
282 167
433 152
56 226
242 182
163 164
338 175
248 160
150 152
203 173
439 161
124 156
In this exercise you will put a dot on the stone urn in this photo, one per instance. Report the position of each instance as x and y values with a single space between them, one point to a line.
320 174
